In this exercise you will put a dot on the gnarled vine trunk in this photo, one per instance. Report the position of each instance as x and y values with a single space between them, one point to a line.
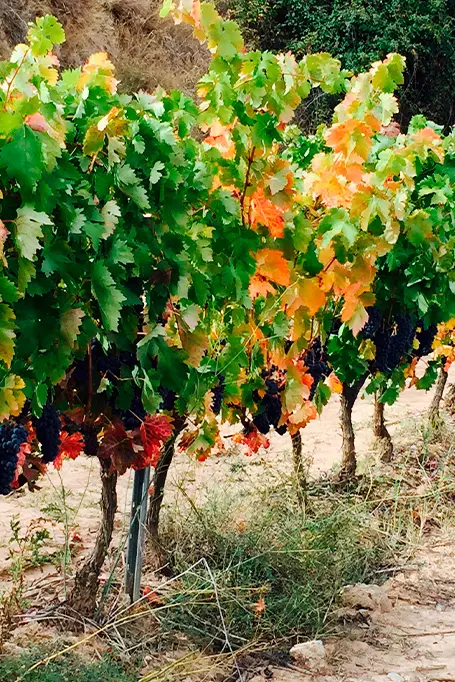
349 457
157 486
299 468
450 399
381 432
84 593
434 414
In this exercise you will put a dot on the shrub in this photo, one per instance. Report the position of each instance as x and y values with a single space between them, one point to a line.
360 32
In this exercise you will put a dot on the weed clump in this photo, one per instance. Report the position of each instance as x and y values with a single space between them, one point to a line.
273 571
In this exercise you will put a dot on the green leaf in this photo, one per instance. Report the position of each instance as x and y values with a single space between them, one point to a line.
121 253
28 230
321 396
8 291
428 379
156 172
111 214
39 399
109 298
126 175
44 33
70 323
166 8
7 334
138 194
22 157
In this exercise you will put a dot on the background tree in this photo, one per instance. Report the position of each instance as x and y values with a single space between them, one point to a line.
359 33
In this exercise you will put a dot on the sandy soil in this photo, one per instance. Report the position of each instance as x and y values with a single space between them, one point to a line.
407 644
413 642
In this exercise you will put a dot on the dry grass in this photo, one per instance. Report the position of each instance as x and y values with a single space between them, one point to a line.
147 50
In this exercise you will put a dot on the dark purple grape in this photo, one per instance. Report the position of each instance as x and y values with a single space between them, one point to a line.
90 435
169 398
134 417
373 324
394 345
425 337
261 423
128 359
11 438
47 428
217 394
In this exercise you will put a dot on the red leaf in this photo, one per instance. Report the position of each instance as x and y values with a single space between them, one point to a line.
70 447
24 450
155 431
253 440
118 445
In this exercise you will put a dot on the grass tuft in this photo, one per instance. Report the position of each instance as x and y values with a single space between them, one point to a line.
273 572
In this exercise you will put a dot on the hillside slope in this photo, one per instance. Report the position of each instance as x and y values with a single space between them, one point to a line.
146 50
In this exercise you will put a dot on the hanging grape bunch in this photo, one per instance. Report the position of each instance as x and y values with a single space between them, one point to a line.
424 338
315 359
217 394
47 428
393 340
269 402
12 436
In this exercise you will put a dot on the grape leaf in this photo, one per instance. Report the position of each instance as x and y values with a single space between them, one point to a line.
70 323
111 214
12 397
109 298
28 230
22 157
44 33
7 334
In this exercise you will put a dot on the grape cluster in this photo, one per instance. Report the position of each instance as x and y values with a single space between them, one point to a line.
168 398
217 394
11 438
315 360
90 436
47 428
425 337
374 322
135 415
394 343
270 404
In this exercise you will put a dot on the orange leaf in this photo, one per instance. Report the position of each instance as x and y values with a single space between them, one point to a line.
220 138
259 286
264 212
356 316
195 344
272 265
334 383
308 294
260 607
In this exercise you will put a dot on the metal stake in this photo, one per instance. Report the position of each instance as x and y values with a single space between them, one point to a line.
136 534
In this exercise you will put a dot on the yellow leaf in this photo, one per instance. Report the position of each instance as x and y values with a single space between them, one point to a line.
195 344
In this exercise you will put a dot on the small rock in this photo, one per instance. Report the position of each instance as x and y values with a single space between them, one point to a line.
311 654
11 649
395 677
371 597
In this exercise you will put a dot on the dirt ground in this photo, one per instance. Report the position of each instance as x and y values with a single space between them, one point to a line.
412 642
